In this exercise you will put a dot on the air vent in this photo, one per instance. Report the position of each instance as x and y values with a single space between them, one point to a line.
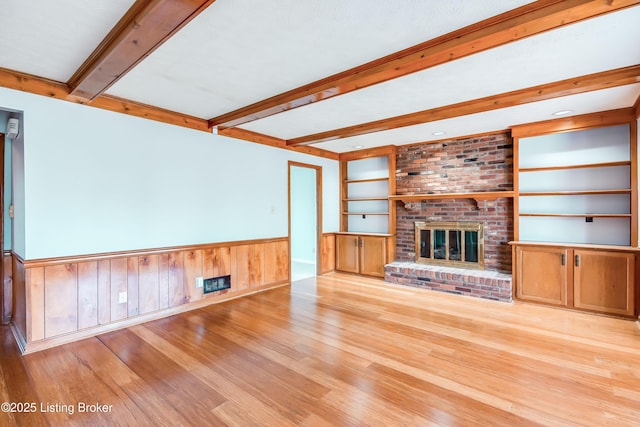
215 284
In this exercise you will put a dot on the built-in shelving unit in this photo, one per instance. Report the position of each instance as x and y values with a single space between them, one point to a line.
575 187
576 213
366 241
366 185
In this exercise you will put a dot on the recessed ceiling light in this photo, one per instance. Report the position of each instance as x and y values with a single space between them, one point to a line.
562 113
438 133
358 146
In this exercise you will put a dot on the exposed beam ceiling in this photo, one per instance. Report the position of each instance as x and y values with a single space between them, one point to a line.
52 89
525 21
597 81
145 26
474 67
250 136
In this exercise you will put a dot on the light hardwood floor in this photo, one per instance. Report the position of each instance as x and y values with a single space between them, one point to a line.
339 350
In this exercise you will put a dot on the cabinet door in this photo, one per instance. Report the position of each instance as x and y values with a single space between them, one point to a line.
347 253
373 254
542 275
604 281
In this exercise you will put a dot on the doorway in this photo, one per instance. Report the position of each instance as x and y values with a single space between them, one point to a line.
305 218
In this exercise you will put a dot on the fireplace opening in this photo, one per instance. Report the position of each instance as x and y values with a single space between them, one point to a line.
456 244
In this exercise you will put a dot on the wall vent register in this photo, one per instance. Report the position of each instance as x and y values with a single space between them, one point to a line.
215 284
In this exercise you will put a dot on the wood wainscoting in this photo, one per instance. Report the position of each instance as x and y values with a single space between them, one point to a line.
6 308
65 299
328 253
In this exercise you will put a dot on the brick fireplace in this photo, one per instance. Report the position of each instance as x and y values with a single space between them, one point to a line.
457 166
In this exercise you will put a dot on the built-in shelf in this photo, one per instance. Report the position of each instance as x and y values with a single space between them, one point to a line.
366 179
575 193
580 166
578 215
477 196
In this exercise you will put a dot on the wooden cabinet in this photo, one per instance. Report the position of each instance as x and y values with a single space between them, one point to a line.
362 254
542 275
604 281
347 253
592 279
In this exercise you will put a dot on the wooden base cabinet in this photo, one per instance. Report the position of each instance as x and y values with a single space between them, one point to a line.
600 279
604 282
362 254
541 275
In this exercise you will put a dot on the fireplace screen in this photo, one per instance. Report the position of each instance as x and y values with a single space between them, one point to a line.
459 244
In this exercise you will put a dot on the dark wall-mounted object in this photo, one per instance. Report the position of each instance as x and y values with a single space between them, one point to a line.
215 284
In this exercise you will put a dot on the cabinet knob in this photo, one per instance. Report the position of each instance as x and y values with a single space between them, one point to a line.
563 259
577 260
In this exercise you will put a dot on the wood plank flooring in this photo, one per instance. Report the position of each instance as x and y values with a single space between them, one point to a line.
338 350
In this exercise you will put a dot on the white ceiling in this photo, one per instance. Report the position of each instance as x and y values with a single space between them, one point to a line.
53 38
238 52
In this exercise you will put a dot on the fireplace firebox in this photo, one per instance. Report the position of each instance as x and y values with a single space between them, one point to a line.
453 244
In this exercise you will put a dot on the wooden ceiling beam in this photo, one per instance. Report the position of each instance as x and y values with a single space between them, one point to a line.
525 21
272 141
573 86
145 26
58 90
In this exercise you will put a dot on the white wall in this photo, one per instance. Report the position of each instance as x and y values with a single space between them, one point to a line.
97 181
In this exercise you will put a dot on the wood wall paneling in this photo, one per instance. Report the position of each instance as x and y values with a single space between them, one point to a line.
256 266
7 284
241 279
222 261
133 308
163 281
60 299
57 301
192 269
87 294
20 290
270 252
118 285
328 253
34 294
283 261
217 262
176 279
148 283
104 291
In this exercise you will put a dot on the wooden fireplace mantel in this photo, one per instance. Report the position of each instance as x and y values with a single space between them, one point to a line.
477 196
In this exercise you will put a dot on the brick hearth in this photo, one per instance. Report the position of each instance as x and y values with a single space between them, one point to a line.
476 283
456 166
